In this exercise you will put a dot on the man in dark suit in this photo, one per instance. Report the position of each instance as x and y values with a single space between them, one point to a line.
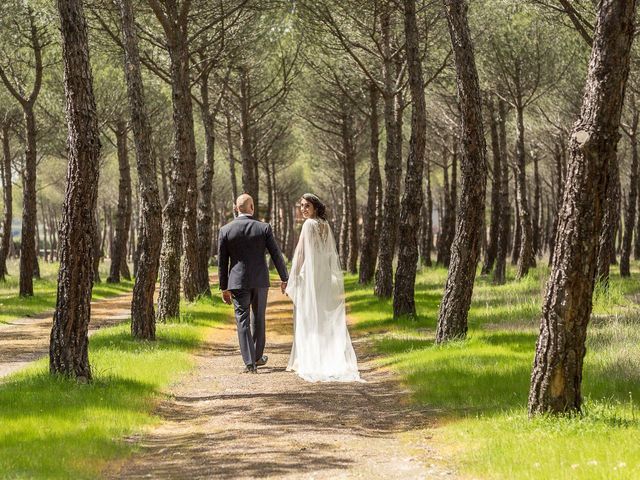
244 277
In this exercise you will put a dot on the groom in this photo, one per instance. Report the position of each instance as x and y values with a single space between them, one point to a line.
244 277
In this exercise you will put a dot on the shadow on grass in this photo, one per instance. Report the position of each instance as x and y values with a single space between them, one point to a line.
490 371
53 427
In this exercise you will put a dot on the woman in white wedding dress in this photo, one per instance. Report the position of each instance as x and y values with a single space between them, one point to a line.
322 349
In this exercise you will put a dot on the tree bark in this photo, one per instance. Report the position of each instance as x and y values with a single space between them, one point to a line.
123 209
454 308
232 160
370 233
68 352
494 226
537 200
611 217
7 191
557 371
250 183
28 256
500 271
29 208
393 170
427 222
205 215
182 200
143 323
411 205
526 257
630 211
349 159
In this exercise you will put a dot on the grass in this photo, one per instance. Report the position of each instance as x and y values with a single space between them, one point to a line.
478 387
45 289
57 428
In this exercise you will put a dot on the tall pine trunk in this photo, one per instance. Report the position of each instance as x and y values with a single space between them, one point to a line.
7 193
143 322
392 169
500 271
205 214
494 225
411 205
630 211
68 352
557 371
370 233
178 207
526 257
123 212
465 251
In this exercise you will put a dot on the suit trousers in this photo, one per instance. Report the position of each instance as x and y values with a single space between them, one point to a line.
250 305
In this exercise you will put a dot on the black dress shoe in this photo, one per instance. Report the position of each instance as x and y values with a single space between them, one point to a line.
262 361
250 369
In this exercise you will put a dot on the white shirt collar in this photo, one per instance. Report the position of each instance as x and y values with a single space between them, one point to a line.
244 215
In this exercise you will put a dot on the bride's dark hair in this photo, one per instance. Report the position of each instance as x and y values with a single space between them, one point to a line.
321 209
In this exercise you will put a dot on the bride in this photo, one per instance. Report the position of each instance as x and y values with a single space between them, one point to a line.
322 350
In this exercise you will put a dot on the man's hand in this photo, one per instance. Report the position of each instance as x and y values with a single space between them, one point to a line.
283 286
226 296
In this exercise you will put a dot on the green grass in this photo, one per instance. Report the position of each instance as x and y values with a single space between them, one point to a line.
478 387
57 428
45 289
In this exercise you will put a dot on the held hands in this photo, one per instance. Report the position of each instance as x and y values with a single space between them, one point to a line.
226 296
283 286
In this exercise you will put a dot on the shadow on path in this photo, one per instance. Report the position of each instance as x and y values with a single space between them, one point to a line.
220 423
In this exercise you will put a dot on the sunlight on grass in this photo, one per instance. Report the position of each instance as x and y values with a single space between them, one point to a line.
45 290
57 428
479 387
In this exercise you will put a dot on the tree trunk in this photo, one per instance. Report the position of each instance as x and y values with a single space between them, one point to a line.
143 324
410 209
611 216
249 178
558 155
205 215
45 239
454 308
350 185
494 226
232 160
178 207
7 191
500 271
344 228
630 211
163 179
370 234
97 253
123 212
537 199
517 231
526 257
29 209
393 170
447 219
68 352
427 222
557 371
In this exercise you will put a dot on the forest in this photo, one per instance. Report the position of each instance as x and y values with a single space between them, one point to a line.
479 164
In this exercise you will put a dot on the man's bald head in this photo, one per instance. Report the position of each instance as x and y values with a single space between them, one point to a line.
244 204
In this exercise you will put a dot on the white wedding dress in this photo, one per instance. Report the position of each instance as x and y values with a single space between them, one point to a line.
322 349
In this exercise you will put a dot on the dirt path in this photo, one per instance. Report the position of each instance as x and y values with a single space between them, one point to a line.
220 423
27 339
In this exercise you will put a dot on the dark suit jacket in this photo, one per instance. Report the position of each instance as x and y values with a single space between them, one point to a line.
241 254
